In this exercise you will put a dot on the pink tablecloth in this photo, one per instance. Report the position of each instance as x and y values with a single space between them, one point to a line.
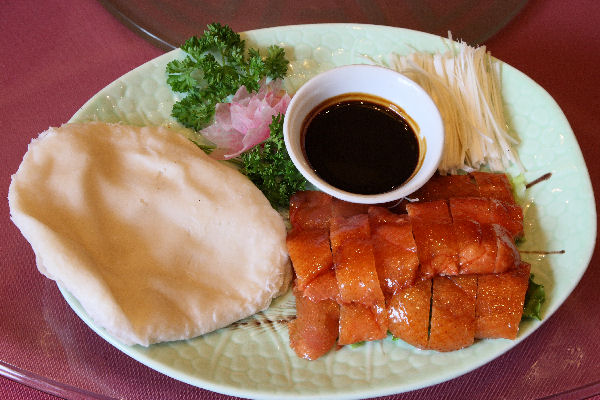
54 55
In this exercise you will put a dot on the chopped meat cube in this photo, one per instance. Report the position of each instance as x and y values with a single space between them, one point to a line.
354 261
499 306
382 215
394 249
477 247
433 231
355 271
508 256
446 187
408 313
310 209
360 323
453 312
484 248
341 208
355 227
310 253
314 331
493 186
489 211
429 211
323 287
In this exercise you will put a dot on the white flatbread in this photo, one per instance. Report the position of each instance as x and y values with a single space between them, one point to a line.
156 240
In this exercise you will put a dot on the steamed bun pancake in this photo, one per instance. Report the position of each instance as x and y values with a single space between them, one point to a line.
155 239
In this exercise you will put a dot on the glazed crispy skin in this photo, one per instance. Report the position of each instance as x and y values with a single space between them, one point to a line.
310 209
436 242
314 331
475 184
408 313
489 211
453 312
446 187
310 253
323 287
354 227
362 310
341 208
499 306
507 256
354 261
493 186
429 211
477 247
356 274
484 248
394 249
359 323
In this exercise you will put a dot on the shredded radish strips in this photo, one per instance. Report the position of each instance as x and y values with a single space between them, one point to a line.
465 84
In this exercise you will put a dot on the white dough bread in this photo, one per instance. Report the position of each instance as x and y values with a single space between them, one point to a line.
156 240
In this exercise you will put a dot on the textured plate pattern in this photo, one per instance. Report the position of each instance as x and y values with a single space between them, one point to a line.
252 358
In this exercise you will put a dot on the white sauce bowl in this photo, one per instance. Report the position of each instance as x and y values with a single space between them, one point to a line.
422 114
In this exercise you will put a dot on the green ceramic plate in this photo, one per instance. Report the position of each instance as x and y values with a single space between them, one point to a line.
253 358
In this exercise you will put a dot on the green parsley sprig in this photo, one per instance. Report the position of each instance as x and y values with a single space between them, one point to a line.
215 67
270 168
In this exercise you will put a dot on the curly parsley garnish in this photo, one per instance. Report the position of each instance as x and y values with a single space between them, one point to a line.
216 66
270 168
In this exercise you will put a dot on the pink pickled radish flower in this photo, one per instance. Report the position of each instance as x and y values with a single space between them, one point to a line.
242 124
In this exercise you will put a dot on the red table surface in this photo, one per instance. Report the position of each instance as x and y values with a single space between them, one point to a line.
55 55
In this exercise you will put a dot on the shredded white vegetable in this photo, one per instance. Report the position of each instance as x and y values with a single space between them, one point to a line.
465 83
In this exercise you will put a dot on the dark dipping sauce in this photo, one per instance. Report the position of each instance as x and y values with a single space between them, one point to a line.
359 144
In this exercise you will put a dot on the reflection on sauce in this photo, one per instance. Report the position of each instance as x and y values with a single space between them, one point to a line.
360 144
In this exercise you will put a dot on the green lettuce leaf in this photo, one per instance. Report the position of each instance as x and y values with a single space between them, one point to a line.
534 298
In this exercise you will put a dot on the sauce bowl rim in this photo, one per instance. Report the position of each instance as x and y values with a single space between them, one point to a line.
376 76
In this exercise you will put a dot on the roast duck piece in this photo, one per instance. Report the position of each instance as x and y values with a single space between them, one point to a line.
439 272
